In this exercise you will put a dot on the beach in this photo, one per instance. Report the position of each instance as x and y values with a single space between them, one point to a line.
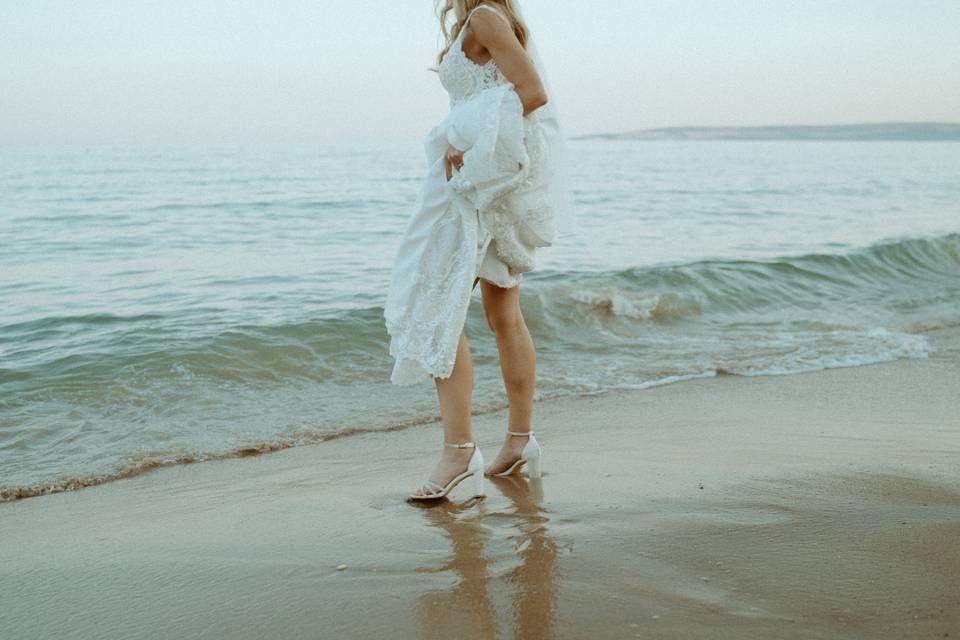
816 505
229 270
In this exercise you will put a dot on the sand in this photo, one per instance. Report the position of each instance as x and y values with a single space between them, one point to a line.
821 505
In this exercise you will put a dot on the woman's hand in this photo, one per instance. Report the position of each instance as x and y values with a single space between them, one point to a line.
498 38
452 158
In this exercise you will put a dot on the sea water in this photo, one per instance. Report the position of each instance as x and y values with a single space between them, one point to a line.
168 304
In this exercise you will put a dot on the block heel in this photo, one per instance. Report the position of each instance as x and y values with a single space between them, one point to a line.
530 457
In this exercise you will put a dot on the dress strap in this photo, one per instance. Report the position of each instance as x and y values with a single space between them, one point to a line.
488 8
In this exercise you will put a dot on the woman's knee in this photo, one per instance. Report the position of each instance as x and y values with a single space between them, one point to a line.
502 308
503 318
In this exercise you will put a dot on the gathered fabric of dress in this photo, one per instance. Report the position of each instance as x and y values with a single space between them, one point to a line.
486 221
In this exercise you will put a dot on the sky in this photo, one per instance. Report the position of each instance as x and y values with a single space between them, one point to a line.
343 71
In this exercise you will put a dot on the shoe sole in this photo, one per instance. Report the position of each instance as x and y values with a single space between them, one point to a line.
446 490
516 466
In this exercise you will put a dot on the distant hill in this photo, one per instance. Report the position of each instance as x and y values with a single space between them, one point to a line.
880 131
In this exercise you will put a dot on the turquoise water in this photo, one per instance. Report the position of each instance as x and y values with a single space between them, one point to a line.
168 304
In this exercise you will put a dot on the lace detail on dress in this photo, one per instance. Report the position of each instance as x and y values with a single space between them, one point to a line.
425 329
462 77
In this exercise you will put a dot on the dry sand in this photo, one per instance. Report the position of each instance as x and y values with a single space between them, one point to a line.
822 505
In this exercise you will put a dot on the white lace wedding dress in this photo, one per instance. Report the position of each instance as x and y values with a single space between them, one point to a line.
487 221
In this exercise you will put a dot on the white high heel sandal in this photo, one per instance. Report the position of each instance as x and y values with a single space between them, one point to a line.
474 468
530 456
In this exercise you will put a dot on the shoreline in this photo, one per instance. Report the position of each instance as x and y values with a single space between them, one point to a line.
17 493
814 505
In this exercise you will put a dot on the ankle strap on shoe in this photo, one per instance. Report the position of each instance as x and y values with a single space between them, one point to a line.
520 433
461 445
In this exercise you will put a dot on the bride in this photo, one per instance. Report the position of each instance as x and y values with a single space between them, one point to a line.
487 204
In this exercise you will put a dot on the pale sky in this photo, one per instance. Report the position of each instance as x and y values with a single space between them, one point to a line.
341 71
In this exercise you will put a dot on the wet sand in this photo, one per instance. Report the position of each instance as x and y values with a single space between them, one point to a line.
822 505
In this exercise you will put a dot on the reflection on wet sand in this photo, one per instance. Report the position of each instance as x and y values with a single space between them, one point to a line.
527 588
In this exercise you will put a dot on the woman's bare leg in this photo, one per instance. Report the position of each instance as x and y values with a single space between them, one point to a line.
454 394
518 364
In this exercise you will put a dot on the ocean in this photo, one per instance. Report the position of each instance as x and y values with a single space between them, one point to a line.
170 304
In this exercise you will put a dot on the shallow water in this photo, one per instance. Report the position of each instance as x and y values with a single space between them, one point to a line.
165 304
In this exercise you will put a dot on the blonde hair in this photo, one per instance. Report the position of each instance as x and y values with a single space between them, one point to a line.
462 8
